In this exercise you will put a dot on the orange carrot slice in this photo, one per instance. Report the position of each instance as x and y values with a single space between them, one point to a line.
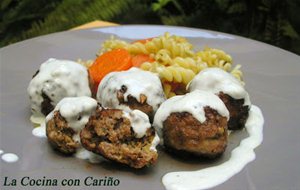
137 60
143 41
114 60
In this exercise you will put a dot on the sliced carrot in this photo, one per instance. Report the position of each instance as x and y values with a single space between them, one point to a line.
137 60
143 41
114 60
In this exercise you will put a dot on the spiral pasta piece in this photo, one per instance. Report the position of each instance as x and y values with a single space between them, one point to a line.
237 73
173 73
177 46
111 44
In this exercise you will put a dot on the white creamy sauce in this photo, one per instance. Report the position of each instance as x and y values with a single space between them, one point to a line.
83 154
37 118
58 79
76 111
139 122
40 121
183 103
40 131
155 142
76 137
217 80
213 176
9 157
137 82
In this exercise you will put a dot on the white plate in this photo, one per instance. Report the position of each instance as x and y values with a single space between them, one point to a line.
272 78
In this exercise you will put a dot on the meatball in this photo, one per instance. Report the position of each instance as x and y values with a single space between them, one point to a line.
195 123
130 90
126 138
64 123
55 80
229 89
183 133
238 112
135 104
46 105
60 135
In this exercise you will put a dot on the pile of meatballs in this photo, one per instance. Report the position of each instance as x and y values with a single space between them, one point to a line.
128 115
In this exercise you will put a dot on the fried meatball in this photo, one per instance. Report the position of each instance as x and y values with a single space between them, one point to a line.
55 80
195 123
130 90
64 123
60 135
229 89
183 133
135 104
126 138
46 105
238 111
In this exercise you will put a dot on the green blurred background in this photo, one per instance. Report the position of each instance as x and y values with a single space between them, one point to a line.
271 21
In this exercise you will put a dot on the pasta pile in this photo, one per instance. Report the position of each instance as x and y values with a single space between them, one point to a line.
175 61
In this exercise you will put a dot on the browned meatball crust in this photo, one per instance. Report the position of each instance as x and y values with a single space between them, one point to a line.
60 135
184 134
46 106
133 103
238 112
110 134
